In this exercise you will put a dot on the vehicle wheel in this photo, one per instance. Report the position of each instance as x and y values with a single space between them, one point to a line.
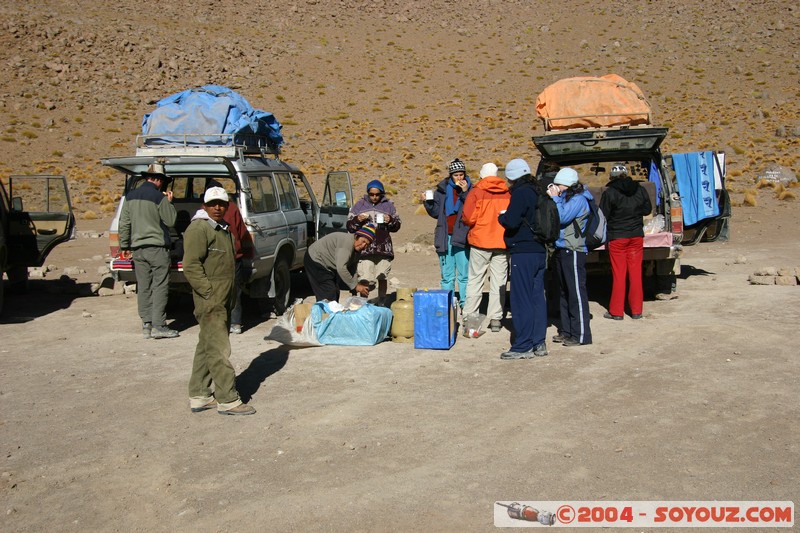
18 278
283 284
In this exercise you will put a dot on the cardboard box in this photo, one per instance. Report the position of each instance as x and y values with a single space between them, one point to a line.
434 319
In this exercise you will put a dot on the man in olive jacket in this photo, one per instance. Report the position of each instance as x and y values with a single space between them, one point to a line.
208 264
147 214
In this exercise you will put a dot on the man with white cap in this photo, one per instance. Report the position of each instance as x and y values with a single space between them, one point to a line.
147 214
485 202
209 267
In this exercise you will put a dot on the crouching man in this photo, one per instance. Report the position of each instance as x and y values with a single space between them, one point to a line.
209 266
334 258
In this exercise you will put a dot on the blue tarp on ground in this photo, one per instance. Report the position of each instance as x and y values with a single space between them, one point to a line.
208 110
695 174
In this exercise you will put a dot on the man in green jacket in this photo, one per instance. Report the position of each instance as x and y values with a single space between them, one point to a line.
147 214
209 266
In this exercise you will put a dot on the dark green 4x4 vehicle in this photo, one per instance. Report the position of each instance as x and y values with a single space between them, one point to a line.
35 216
593 151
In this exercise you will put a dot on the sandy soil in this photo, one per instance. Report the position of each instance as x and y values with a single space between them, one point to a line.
697 401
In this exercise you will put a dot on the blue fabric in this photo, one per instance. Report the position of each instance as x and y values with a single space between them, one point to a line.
451 208
528 304
455 263
366 326
695 174
655 177
211 109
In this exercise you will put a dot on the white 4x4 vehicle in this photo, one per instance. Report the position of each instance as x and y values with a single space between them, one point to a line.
276 200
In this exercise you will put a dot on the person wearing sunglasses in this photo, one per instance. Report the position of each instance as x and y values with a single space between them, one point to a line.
375 261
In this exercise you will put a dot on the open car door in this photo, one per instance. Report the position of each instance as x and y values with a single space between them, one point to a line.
336 203
39 219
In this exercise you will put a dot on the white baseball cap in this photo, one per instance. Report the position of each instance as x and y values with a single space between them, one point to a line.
215 194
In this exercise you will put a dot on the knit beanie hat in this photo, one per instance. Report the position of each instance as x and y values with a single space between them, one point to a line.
567 177
456 165
489 169
367 231
375 184
516 168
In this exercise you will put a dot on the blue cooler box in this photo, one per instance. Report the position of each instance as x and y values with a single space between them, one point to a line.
434 319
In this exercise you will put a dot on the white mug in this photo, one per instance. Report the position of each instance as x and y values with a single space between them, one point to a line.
429 194
379 218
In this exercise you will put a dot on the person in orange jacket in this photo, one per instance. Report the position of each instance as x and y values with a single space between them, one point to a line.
484 203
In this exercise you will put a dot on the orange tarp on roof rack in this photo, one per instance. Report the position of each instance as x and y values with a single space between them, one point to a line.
591 102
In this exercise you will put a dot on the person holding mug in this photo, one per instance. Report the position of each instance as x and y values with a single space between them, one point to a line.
375 261
450 234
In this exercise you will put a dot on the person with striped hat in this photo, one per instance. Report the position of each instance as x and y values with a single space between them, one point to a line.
333 259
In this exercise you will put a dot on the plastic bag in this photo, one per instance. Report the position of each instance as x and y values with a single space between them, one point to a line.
473 325
285 331
654 225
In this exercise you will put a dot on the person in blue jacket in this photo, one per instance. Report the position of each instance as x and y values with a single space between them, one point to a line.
528 259
450 235
572 200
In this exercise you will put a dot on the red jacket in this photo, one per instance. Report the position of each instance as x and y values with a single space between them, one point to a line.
482 207
242 240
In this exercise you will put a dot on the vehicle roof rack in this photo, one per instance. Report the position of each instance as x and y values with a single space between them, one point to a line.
633 119
229 145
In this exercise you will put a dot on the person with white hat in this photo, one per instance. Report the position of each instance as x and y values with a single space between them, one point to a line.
485 201
572 200
528 258
147 214
209 267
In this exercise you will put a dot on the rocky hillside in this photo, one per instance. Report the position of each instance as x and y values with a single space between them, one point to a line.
391 89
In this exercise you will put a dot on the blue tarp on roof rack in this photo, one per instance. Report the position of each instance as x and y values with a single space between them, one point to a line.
209 111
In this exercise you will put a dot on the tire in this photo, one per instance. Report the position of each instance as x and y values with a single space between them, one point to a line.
283 285
18 279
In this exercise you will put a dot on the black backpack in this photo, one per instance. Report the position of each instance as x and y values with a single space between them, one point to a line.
546 222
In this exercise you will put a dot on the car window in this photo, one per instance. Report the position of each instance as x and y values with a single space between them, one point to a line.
289 200
262 195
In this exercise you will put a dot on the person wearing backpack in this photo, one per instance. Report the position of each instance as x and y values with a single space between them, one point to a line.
625 202
572 200
528 259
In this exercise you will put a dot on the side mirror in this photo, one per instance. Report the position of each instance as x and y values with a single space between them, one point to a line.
341 199
16 203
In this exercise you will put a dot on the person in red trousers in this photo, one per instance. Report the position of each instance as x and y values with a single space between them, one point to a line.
624 203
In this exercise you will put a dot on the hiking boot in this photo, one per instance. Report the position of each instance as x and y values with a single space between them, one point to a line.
146 329
541 350
163 332
495 325
610 316
236 329
559 338
210 405
572 341
516 355
636 317
241 409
